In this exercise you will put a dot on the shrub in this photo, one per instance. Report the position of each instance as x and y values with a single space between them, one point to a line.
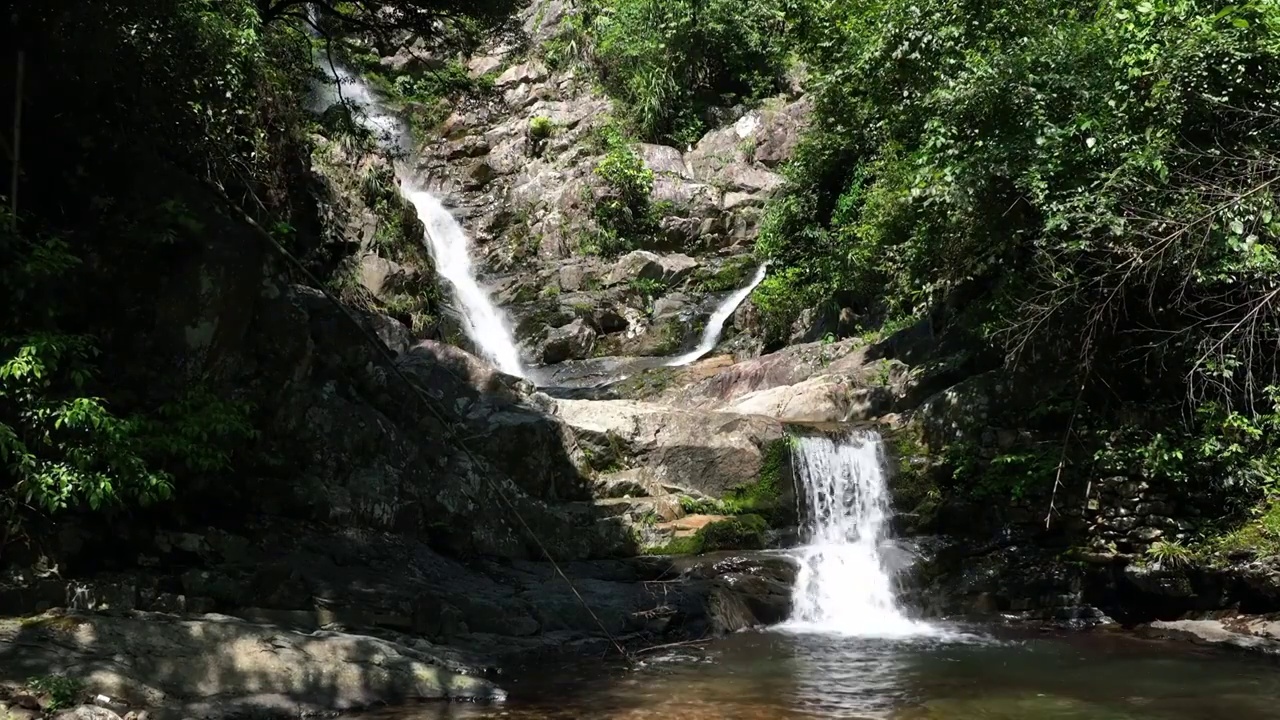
670 61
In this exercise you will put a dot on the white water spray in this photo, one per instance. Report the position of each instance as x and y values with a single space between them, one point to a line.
446 240
844 585
715 325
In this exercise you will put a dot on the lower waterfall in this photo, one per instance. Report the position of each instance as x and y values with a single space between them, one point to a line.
844 585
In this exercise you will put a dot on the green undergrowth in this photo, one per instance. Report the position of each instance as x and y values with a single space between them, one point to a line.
1082 190
728 275
61 691
740 532
1257 535
670 63
625 218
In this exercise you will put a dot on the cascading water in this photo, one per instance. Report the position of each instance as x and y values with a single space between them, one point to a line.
844 585
715 325
446 240
482 320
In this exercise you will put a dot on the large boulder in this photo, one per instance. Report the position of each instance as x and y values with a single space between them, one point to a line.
706 452
822 399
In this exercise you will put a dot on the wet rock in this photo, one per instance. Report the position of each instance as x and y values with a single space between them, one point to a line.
748 589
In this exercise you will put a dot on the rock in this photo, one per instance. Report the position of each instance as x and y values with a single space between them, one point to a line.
708 452
26 701
87 712
644 265
19 713
634 482
660 509
749 589
146 658
780 131
1247 634
524 73
821 399
664 159
478 174
570 342
378 273
413 58
483 65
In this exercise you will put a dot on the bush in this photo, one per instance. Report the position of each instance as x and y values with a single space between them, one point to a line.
625 215
1084 186
668 62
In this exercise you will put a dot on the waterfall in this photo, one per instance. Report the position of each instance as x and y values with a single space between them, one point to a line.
844 585
483 322
711 335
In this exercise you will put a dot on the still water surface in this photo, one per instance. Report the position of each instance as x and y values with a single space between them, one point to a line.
780 676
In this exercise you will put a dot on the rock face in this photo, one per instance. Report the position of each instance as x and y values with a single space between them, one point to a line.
518 168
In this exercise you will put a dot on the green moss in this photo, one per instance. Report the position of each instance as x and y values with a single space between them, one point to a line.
729 275
742 532
761 497
647 384
691 545
911 481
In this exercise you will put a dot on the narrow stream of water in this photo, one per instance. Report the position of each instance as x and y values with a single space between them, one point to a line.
715 324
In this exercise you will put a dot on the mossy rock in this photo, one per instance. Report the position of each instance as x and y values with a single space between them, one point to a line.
740 532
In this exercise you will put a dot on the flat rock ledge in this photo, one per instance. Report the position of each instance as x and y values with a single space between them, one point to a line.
216 666
1260 635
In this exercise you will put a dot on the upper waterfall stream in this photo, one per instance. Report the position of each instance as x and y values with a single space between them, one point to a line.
715 325
483 322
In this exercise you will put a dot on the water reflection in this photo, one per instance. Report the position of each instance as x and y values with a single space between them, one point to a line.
778 676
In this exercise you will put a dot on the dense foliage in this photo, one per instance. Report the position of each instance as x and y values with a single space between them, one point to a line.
671 63
1087 186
